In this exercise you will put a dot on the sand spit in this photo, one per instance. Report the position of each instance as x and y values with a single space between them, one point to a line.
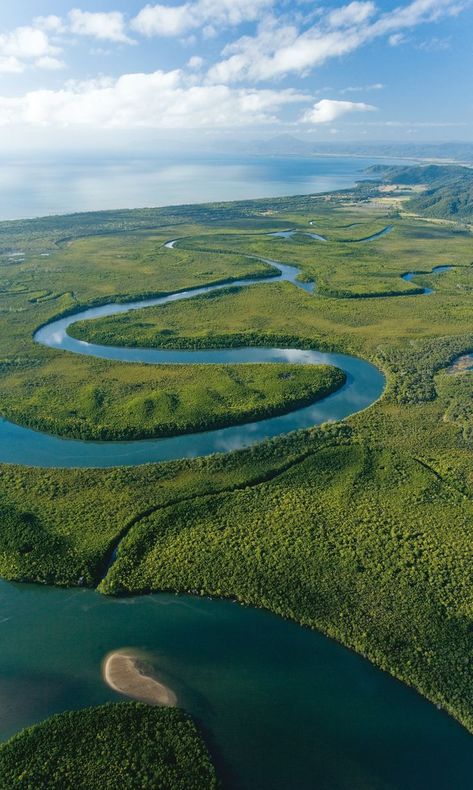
129 673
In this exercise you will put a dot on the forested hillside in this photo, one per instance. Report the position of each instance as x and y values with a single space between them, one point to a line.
448 190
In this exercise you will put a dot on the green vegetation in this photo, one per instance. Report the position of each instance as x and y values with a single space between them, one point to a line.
124 745
286 315
60 525
447 193
367 545
342 269
420 174
134 402
456 392
95 399
362 530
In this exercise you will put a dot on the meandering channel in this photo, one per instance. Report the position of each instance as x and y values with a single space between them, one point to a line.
282 704
409 276
288 234
364 385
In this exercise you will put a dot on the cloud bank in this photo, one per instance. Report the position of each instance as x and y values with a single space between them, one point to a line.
275 51
160 100
238 83
164 20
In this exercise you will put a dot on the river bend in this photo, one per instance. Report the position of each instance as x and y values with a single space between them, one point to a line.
364 385
283 705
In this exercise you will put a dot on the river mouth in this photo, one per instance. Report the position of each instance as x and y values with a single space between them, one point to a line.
279 703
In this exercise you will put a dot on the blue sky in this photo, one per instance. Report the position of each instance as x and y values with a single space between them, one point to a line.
115 70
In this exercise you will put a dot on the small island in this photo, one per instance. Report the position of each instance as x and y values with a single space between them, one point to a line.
129 673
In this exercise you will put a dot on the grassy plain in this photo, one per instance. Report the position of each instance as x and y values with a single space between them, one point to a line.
344 269
362 530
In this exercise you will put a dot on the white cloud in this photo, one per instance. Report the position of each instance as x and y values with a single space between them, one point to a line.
435 44
110 26
374 86
161 20
10 65
160 100
329 110
26 42
165 20
49 63
232 12
352 14
25 46
51 23
195 62
276 51
416 13
396 39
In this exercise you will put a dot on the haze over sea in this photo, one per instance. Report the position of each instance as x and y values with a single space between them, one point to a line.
65 184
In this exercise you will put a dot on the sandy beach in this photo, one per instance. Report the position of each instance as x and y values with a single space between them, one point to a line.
128 673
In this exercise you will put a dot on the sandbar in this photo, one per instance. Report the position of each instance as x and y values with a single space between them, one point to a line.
129 673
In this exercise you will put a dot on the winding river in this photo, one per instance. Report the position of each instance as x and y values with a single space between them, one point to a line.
409 276
283 707
288 234
364 384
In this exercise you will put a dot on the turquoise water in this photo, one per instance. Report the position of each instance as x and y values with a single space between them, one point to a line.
283 707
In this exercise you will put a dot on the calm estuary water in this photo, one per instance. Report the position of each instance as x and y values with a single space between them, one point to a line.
283 707
39 186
